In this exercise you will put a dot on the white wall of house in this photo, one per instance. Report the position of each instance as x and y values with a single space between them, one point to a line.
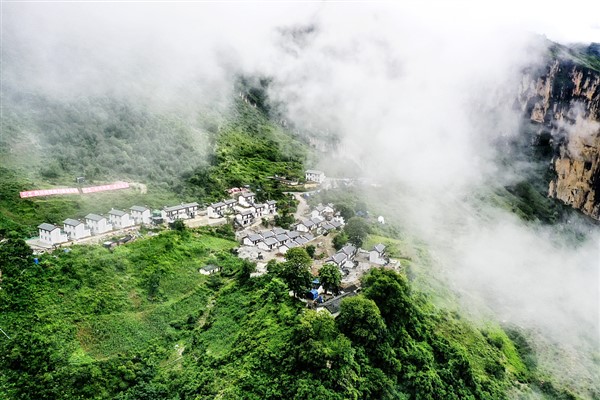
120 221
141 217
54 236
98 227
77 232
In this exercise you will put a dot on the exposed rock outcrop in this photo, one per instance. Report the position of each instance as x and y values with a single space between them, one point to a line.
563 99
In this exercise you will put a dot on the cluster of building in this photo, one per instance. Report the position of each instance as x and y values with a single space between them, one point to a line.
320 220
243 208
345 257
93 224
278 239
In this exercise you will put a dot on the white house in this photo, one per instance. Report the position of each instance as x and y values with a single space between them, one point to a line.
182 211
348 250
119 219
305 226
268 244
140 215
252 239
289 245
98 224
76 229
282 239
271 206
339 259
51 234
313 175
245 217
246 199
216 210
321 211
377 255
230 203
261 209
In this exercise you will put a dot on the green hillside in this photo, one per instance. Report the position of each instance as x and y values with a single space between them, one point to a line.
142 323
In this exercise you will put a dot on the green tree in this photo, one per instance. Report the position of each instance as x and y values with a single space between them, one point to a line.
340 240
296 270
345 211
357 230
330 277
361 321
310 249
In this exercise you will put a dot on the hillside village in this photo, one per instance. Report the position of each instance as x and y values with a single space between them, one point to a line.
311 228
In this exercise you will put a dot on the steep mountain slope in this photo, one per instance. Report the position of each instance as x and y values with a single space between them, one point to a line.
562 99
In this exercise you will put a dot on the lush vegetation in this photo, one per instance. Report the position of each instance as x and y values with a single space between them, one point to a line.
141 322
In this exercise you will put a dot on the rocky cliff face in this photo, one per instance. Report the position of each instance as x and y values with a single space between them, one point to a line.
563 101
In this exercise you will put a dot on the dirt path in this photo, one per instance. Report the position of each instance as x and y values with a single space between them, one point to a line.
303 207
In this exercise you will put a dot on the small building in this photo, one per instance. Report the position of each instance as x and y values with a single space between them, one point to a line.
322 211
51 234
267 234
119 219
313 175
293 234
230 203
377 255
252 239
305 226
348 250
141 215
209 269
98 224
245 217
260 210
282 239
268 244
246 199
271 206
290 244
75 229
216 210
339 259
317 221
182 211
334 305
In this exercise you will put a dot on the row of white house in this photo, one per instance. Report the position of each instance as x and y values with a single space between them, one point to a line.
313 175
278 239
93 224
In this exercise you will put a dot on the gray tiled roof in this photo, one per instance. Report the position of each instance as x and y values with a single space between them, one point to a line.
181 207
379 248
271 202
348 249
138 208
314 171
282 238
94 217
72 222
47 227
308 236
278 231
270 241
267 234
117 212
218 205
254 237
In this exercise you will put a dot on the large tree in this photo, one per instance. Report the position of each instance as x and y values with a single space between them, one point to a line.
357 230
296 270
330 277
361 321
